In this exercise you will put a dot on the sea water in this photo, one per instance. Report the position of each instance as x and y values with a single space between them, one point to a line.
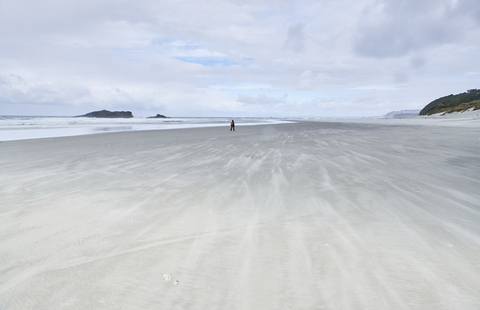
34 127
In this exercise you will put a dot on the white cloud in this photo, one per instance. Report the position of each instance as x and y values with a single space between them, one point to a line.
306 78
261 99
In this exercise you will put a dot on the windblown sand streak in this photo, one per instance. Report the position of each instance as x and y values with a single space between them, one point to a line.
310 215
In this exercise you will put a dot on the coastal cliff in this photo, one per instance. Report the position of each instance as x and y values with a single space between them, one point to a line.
454 103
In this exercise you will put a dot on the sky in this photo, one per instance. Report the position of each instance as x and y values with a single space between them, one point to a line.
234 58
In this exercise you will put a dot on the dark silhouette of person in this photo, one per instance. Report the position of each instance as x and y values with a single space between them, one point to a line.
232 126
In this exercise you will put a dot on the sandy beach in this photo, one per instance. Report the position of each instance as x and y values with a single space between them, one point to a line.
309 215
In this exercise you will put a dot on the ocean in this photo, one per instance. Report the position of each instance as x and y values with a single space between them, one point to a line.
35 127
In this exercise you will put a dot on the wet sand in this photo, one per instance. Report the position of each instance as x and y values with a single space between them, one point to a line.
311 215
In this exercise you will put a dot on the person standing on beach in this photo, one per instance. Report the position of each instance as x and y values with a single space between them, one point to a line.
232 126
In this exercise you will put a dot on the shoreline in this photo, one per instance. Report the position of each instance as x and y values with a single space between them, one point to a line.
471 120
67 128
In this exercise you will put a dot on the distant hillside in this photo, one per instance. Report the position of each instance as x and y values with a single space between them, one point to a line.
454 103
402 114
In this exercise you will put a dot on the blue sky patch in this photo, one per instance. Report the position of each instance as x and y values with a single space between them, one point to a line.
208 61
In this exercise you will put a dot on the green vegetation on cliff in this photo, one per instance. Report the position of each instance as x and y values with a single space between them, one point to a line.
454 103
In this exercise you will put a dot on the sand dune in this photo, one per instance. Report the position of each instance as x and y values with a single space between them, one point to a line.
310 215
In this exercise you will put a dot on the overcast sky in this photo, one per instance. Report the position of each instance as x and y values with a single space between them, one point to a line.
235 57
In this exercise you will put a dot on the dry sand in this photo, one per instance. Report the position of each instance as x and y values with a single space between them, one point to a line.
311 215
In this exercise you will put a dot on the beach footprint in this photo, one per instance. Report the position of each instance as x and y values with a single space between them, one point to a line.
167 277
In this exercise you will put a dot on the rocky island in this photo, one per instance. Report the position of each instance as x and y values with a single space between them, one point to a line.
157 116
108 114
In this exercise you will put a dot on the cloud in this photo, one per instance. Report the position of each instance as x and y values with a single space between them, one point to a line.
295 38
306 79
396 28
470 9
262 99
235 56
17 89
418 62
